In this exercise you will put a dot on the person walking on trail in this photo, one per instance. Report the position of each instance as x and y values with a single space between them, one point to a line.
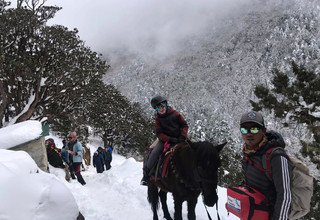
107 154
170 128
98 160
257 141
77 155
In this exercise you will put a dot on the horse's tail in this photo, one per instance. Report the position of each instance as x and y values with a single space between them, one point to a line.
153 196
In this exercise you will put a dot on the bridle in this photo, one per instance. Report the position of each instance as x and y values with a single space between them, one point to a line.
201 179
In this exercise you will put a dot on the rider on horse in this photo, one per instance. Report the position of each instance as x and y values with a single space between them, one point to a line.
171 128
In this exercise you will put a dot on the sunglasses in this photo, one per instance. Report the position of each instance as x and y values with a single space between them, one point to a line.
253 130
158 107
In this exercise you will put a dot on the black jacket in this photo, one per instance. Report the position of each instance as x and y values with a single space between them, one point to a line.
277 189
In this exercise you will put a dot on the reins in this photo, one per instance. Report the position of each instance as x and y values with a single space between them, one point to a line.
208 212
207 208
201 179
203 199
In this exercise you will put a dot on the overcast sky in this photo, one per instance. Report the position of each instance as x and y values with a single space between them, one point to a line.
150 25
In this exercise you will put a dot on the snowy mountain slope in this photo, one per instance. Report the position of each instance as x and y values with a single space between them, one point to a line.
212 77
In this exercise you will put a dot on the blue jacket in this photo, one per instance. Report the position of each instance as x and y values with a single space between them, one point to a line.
78 152
110 149
65 154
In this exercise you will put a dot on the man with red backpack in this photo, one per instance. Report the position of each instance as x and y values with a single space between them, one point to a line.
275 185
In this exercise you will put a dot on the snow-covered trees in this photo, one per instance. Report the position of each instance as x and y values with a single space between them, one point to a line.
295 98
48 72
41 64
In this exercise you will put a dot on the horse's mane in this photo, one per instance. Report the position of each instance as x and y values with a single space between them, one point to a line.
189 156
183 163
205 151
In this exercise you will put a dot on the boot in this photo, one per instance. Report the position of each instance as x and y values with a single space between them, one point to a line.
145 179
73 176
80 179
67 172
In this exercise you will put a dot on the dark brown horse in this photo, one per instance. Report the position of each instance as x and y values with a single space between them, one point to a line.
193 170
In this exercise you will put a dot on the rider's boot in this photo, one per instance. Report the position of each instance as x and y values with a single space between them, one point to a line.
145 179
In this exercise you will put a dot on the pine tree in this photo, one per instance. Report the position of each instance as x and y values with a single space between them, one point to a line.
298 97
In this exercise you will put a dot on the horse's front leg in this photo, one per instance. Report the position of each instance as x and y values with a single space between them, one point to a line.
163 199
192 202
177 207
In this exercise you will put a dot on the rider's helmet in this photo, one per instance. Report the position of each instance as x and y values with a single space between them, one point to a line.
155 101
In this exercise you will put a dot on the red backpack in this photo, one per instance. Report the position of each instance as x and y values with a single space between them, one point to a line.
247 203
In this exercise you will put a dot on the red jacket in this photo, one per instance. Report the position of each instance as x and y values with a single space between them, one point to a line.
171 124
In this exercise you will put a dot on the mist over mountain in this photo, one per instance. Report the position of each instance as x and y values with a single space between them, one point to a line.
210 75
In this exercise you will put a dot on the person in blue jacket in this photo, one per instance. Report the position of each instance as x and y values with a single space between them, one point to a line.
64 152
108 156
77 155
98 160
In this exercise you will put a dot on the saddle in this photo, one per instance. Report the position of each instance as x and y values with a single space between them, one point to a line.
161 170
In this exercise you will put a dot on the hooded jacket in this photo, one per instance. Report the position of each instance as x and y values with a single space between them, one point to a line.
277 190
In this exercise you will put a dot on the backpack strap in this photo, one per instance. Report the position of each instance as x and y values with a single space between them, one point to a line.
265 166
266 162
266 159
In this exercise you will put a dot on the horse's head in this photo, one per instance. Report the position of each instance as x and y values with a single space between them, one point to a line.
206 171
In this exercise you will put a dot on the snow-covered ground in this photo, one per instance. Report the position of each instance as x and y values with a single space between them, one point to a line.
28 193
116 194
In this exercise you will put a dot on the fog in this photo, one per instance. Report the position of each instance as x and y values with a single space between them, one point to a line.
149 27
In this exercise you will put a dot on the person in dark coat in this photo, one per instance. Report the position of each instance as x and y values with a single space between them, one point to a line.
257 141
98 160
171 128
107 153
53 154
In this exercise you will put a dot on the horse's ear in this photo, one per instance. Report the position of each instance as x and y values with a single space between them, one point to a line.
220 146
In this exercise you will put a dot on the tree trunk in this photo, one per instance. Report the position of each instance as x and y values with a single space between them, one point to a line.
32 108
3 102
27 115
